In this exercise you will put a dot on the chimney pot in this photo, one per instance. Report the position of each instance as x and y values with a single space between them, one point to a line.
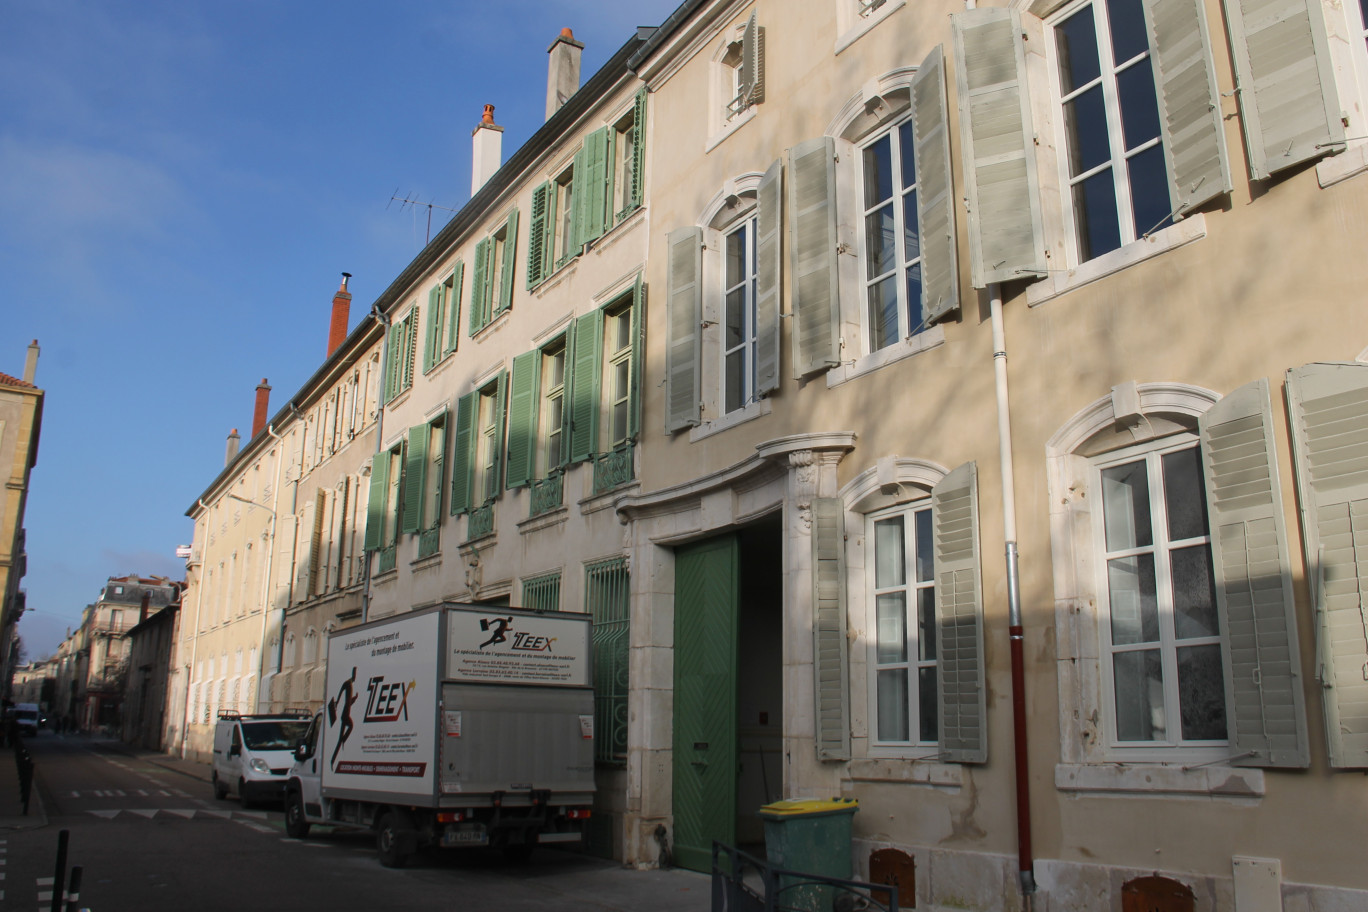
341 315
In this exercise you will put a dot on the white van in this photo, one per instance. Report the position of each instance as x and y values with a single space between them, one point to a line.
26 715
253 754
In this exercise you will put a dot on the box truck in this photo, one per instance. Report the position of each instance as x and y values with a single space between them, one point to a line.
454 725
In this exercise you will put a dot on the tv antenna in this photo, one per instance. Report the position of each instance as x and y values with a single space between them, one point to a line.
404 201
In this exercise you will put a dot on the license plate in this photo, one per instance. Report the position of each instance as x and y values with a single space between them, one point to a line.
465 837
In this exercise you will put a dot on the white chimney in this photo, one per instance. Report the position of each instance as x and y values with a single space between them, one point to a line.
562 76
31 363
487 150
234 441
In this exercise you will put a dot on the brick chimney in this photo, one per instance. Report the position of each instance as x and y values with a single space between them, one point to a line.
31 363
263 400
234 441
563 71
487 150
341 313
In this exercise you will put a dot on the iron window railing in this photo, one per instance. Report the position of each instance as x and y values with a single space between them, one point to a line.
607 595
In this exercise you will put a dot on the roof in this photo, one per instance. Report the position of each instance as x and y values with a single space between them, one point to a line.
7 380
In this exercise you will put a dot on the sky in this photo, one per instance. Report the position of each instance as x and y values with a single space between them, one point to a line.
182 183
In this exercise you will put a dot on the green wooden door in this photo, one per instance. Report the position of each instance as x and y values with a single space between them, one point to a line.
705 766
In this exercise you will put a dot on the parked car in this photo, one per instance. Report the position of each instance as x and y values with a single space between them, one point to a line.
253 754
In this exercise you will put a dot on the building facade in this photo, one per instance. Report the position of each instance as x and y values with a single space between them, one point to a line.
21 423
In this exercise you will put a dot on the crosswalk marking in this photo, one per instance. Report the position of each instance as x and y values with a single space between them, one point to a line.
244 817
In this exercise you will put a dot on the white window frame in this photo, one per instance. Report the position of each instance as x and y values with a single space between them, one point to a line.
854 19
747 228
724 88
551 427
905 331
486 465
617 375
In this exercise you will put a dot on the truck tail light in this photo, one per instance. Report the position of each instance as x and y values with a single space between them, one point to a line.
450 817
577 813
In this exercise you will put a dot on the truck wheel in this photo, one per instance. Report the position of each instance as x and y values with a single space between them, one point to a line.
390 841
220 790
296 824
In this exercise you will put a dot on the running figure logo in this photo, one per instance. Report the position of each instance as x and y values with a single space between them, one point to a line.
346 696
499 626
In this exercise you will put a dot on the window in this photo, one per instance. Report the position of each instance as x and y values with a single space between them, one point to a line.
1116 179
403 341
443 318
738 335
892 249
491 290
488 425
628 157
383 506
562 219
577 207
476 456
607 597
1160 626
551 432
903 649
737 79
422 507
867 7
618 336
542 593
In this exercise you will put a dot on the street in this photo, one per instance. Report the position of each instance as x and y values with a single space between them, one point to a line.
150 837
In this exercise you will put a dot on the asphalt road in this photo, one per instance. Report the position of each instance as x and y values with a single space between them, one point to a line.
149 838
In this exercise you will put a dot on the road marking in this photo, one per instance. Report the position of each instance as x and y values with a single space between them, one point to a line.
44 881
142 792
188 814
149 813
107 815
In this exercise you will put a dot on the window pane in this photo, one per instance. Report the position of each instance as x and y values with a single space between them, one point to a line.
1201 693
911 242
889 553
927 704
736 317
922 520
1076 40
1085 120
1184 498
1139 683
878 172
881 245
893 704
1126 506
1099 226
622 324
736 257
891 617
1194 594
736 394
1149 190
883 313
907 146
914 299
1128 33
926 624
1139 104
1134 611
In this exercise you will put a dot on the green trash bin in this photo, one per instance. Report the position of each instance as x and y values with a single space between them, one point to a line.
809 836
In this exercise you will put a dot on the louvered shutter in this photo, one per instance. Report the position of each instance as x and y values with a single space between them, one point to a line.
522 418
1284 81
509 258
1329 406
750 62
500 426
1006 237
959 618
375 505
768 246
479 287
538 235
315 560
453 320
1264 711
567 389
638 185
684 304
432 340
812 247
1189 102
578 205
462 455
829 659
592 187
392 359
935 201
305 556
584 392
411 347
415 478
638 351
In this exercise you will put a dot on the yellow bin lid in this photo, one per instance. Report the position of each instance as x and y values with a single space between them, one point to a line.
807 807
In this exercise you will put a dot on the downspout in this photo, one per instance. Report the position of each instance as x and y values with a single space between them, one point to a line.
379 442
266 578
194 649
1025 859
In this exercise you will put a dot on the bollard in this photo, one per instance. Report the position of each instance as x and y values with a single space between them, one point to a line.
25 762
74 891
59 876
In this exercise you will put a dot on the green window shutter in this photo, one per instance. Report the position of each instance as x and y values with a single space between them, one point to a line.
500 426
522 418
509 258
829 658
415 479
537 235
453 320
584 393
1189 101
593 185
1329 408
935 197
432 340
1263 683
567 388
1284 80
579 203
959 618
998 147
638 352
768 247
411 346
479 288
812 224
375 506
392 342
684 304
637 190
462 453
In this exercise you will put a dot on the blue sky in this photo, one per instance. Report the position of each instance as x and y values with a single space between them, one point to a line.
181 184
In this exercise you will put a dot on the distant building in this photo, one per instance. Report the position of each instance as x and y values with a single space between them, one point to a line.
151 656
21 421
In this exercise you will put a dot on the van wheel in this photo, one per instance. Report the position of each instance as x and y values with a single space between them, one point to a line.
296 824
220 790
390 840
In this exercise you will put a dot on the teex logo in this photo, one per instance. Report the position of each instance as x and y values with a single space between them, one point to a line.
529 642
387 702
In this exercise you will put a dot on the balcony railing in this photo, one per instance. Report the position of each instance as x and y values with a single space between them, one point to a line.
547 494
613 468
480 522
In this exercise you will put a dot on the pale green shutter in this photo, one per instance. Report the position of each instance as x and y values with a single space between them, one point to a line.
375 505
1264 711
812 247
1006 237
415 478
479 287
453 320
1329 406
411 348
500 426
1189 102
592 187
961 695
579 204
935 201
584 392
752 81
638 352
684 303
432 339
768 245
509 258
538 236
392 343
1284 80
638 184
829 658
462 452
522 418
567 390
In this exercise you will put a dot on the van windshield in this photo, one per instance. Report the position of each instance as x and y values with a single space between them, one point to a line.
279 735
26 714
